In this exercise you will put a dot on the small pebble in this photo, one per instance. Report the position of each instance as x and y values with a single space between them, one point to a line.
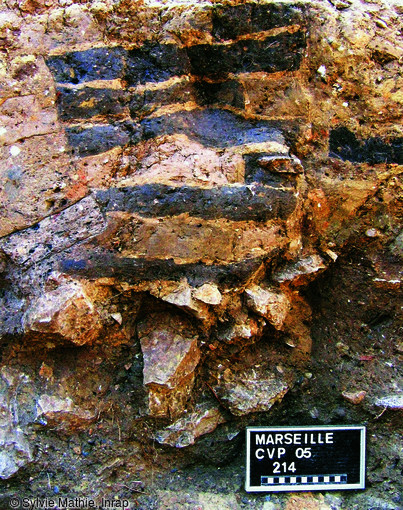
354 397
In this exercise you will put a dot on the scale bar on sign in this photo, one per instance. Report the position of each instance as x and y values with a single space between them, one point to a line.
307 479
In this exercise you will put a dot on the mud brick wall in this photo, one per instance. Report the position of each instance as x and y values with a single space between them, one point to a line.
184 189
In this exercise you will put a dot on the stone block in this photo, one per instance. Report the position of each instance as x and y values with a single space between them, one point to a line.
23 117
276 170
95 264
55 233
170 354
237 203
178 160
66 313
145 101
62 414
37 180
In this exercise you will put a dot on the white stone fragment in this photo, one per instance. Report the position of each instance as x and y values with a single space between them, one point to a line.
14 150
208 293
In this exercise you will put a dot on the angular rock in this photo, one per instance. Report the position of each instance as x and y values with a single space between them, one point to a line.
341 4
15 451
296 326
65 312
181 296
247 332
397 246
186 430
62 413
252 390
11 313
302 271
163 402
170 355
274 306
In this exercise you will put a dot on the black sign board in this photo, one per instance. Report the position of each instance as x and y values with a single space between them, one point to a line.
305 458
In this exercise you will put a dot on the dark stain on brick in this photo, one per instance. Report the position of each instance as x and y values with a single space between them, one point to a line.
145 103
212 127
98 139
275 53
82 66
345 145
227 93
234 21
89 102
142 269
238 203
155 63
